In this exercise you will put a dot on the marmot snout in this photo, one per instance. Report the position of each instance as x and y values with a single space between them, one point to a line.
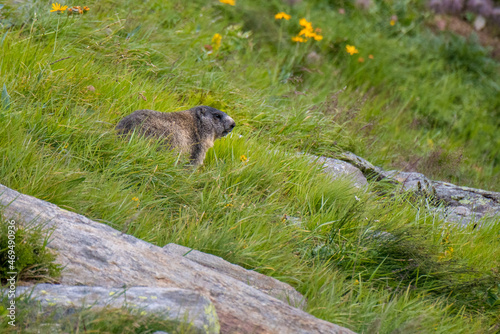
193 130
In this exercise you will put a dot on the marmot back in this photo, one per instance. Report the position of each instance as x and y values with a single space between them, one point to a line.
191 131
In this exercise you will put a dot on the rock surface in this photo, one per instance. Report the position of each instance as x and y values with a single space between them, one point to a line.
368 170
338 168
95 254
463 204
170 303
266 284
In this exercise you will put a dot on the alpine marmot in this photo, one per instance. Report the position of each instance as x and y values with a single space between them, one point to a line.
191 131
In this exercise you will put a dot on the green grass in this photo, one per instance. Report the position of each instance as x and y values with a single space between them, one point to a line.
23 250
410 105
31 318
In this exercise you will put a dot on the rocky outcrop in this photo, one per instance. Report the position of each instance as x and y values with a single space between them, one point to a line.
462 204
266 284
95 254
170 303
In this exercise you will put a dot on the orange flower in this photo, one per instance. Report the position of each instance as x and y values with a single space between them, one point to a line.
228 2
361 60
370 56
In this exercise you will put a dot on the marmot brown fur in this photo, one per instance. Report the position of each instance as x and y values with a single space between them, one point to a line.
191 131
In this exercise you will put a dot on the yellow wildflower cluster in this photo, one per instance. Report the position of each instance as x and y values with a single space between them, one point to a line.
243 158
307 32
216 41
351 49
282 15
136 199
228 2
58 8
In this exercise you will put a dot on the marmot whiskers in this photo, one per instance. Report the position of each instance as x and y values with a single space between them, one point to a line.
191 131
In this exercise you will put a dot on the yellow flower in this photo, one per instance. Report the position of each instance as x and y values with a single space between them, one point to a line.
299 39
305 24
216 40
243 158
56 7
136 199
351 49
393 22
282 15
370 56
228 2
317 37
307 33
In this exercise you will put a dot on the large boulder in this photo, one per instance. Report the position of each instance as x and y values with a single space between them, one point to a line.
95 254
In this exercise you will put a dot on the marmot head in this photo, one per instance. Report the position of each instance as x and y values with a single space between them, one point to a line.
215 119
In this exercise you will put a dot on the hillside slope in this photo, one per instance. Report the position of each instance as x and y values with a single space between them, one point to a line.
409 98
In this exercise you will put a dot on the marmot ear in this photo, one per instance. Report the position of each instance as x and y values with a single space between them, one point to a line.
200 111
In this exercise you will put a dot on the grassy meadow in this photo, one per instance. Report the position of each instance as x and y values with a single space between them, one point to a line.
410 98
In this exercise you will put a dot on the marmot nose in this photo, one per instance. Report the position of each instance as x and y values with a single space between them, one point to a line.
232 125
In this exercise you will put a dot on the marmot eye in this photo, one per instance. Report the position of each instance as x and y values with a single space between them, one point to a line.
218 116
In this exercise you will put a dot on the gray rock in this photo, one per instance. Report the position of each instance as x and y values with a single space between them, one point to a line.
410 181
266 284
467 204
464 204
177 305
338 168
363 165
95 254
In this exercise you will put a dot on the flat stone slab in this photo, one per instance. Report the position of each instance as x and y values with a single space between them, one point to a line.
177 305
266 284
